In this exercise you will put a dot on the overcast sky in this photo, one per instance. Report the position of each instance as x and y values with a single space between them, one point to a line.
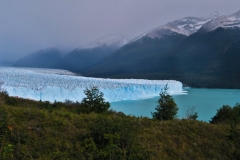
29 25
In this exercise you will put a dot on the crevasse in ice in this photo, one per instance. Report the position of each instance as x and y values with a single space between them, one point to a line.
52 84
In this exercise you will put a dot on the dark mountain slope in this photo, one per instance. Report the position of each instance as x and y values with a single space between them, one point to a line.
208 59
41 59
134 57
81 59
204 59
77 60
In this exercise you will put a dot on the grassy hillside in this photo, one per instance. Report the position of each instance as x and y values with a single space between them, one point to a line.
33 130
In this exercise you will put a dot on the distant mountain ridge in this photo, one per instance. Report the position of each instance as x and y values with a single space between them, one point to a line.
200 52
231 21
44 58
84 57
111 41
185 26
201 59
76 60
147 46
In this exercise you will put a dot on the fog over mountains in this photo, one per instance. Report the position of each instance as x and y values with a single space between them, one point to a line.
200 52
227 22
76 60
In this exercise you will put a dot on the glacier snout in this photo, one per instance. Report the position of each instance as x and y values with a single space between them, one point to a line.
51 85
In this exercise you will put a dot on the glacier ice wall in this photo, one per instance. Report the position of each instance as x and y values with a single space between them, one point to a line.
52 84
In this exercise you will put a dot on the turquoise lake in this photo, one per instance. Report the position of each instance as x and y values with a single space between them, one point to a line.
205 101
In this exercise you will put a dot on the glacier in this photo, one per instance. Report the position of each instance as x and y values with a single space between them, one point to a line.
59 85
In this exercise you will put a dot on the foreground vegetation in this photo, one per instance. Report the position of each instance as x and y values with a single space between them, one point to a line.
41 130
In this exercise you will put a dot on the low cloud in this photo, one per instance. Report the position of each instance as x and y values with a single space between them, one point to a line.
28 25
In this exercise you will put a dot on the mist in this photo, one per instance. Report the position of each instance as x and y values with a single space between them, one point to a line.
28 26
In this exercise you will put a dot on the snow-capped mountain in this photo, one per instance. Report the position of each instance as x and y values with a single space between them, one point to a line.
113 41
185 26
230 21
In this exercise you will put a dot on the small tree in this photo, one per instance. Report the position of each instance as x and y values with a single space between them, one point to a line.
191 114
94 102
166 108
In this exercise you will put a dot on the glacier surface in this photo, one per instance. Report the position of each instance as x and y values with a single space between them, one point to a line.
53 84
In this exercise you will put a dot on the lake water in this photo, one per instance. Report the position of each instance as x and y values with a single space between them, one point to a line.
205 101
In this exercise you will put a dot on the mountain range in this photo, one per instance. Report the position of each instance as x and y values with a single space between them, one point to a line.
200 52
44 58
76 60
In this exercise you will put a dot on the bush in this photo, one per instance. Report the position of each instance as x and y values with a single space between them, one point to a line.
46 105
10 100
113 138
3 93
227 114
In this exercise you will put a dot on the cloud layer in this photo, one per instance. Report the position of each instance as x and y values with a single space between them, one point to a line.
27 26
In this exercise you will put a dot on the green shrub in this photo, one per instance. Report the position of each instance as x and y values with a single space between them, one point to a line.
227 114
